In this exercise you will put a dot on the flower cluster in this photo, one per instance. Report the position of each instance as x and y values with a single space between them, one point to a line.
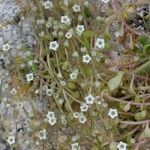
51 117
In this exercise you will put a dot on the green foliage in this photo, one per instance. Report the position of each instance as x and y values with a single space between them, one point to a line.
115 82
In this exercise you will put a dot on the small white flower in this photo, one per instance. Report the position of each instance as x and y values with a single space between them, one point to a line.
73 75
76 8
86 58
53 45
75 146
13 91
80 29
66 20
82 119
29 77
50 114
48 5
83 49
63 119
6 47
63 83
105 1
83 107
76 114
68 35
52 121
49 92
112 113
122 146
100 43
89 99
42 134
11 140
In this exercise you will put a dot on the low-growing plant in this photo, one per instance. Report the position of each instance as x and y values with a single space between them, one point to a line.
91 69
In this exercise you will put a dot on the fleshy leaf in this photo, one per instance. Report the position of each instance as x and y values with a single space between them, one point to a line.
115 82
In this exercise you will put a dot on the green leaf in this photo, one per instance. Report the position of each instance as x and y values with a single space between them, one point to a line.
146 49
144 40
65 66
146 132
131 89
86 38
87 12
148 24
140 115
71 85
145 68
127 107
113 146
115 82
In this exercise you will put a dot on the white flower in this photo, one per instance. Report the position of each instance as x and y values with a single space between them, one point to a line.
83 107
49 92
76 8
13 91
75 146
48 5
66 20
100 43
76 114
6 47
82 119
63 83
50 114
86 58
42 134
89 99
105 1
73 75
80 29
11 140
52 121
68 35
53 45
29 77
122 146
112 113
